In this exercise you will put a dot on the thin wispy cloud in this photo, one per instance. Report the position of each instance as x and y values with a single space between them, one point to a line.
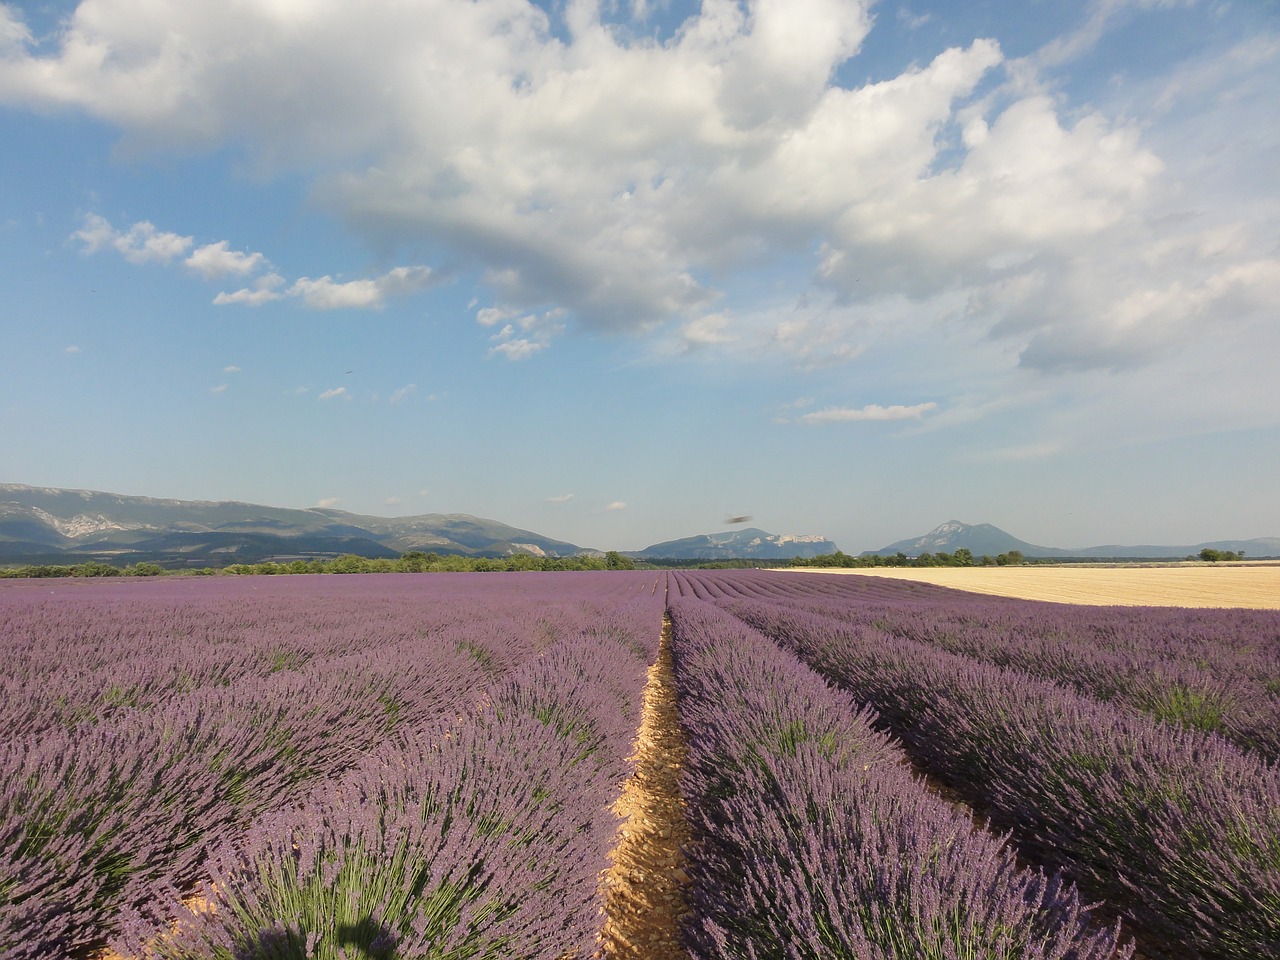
329 502
913 21
334 393
144 243
873 412
562 498
401 394
615 506
72 349
265 289
220 388
231 369
521 336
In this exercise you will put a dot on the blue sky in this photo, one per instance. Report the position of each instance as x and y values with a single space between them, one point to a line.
613 271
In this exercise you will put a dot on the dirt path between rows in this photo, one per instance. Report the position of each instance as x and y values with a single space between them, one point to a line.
645 887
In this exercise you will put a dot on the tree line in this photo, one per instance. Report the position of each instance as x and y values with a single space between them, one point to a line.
963 557
415 561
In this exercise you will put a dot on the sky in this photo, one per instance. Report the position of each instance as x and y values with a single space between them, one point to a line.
615 271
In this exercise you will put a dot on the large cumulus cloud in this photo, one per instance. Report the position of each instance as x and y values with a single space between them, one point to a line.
628 182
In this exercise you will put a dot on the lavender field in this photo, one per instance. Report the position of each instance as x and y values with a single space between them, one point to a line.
424 766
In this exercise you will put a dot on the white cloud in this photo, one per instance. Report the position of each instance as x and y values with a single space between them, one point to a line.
517 349
913 21
402 394
523 336
562 498
638 184
391 502
615 506
215 260
264 290
707 330
141 243
872 412
324 293
220 388
334 393
72 349
329 502
14 34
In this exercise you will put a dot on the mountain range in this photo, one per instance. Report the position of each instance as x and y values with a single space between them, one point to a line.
984 539
50 525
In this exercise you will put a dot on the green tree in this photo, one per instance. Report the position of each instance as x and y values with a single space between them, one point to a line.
415 561
144 569
347 563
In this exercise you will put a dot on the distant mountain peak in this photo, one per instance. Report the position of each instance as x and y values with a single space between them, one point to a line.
748 543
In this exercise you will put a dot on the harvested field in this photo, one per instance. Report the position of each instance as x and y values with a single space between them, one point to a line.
1253 585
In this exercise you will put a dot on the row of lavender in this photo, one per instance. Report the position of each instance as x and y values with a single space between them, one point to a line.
811 839
82 652
240 700
488 842
1212 670
1177 828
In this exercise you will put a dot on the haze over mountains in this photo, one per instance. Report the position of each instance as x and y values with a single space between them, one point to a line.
52 525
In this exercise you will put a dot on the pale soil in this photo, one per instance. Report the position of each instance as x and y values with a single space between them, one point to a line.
1255 585
645 887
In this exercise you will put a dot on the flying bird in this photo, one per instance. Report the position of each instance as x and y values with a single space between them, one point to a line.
743 519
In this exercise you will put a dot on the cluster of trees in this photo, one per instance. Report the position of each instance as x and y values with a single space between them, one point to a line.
963 557
90 568
418 562
1209 555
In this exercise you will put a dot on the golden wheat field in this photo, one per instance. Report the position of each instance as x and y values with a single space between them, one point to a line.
1254 585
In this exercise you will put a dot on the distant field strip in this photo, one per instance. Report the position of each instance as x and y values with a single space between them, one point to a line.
1253 586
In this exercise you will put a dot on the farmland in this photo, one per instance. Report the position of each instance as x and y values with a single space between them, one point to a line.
532 765
1255 584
